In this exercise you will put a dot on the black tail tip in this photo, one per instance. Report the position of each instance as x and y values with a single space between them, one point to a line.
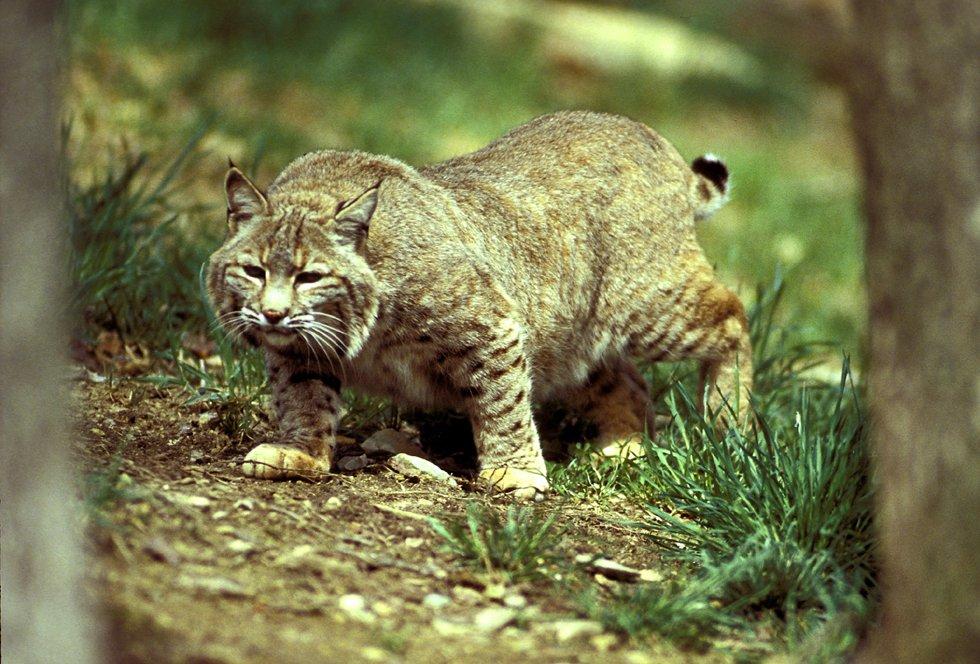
712 168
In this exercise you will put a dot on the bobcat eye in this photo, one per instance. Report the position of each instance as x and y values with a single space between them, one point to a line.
308 277
254 271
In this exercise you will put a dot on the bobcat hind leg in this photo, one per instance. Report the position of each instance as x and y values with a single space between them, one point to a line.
616 399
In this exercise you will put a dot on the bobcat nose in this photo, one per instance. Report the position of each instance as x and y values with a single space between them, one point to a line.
274 315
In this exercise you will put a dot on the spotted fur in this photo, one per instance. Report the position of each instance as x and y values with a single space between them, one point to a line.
535 269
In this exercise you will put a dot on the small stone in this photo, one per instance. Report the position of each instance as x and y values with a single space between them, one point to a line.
241 546
613 570
94 377
352 463
651 575
220 514
197 456
199 502
466 595
333 502
414 542
413 466
495 591
160 550
637 657
245 504
295 557
214 585
604 642
374 654
436 601
392 441
444 627
568 630
382 609
493 618
355 607
515 601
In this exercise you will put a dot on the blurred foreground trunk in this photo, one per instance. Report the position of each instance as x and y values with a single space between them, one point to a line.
41 559
913 85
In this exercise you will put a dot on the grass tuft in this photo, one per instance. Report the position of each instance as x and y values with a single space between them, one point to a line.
235 389
134 270
517 545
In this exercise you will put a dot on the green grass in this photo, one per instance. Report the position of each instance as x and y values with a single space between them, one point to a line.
234 390
133 269
769 524
516 545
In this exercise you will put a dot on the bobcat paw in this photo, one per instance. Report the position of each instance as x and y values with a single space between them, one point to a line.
271 462
630 447
522 484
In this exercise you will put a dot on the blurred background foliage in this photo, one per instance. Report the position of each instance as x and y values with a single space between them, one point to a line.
265 81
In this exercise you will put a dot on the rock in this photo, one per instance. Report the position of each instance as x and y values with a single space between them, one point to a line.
294 558
495 591
160 550
604 642
569 630
382 609
493 618
515 601
466 595
214 585
392 441
374 654
637 657
241 546
611 569
413 466
333 502
414 542
355 607
245 504
352 463
445 627
200 502
436 601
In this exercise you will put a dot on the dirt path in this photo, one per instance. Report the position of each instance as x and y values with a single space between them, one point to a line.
195 563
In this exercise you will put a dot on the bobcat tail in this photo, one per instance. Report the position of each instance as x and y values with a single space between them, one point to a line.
711 188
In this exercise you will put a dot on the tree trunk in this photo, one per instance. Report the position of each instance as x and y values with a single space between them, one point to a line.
913 85
41 559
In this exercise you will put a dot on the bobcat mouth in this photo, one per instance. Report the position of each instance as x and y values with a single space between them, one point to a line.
279 336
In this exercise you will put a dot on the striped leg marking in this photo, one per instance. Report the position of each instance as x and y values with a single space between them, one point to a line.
495 382
308 405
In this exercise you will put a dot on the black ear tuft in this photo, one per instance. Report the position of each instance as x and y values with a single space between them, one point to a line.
711 168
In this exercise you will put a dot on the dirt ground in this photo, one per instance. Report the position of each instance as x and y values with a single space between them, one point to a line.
196 563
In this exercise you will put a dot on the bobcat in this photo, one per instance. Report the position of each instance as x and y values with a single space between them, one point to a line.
532 270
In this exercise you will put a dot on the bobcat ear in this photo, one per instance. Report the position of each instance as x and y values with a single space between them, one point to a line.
353 218
244 198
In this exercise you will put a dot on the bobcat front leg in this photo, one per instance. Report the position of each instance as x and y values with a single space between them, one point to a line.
308 406
498 399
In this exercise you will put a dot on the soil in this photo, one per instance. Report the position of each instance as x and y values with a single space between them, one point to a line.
195 563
